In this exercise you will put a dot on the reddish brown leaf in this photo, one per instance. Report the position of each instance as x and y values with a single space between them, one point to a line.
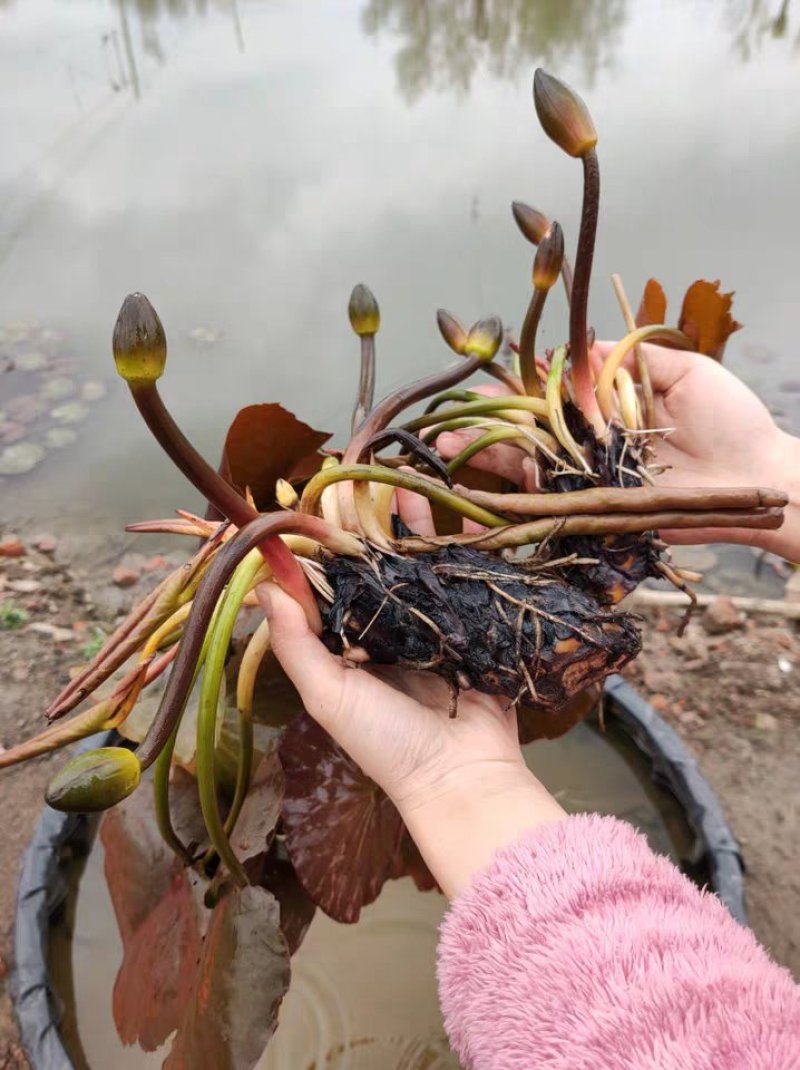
237 986
261 808
297 907
153 987
653 306
156 916
706 317
533 722
264 443
342 832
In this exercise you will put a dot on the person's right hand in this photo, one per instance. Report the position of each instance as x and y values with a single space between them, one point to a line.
723 436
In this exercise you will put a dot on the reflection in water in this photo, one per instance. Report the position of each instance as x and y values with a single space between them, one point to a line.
755 23
447 41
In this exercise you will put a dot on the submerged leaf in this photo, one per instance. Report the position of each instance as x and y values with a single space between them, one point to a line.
297 906
237 986
261 808
706 317
265 443
342 831
653 306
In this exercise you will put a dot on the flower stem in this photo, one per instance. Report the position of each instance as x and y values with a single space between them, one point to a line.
527 344
579 351
605 381
395 478
366 385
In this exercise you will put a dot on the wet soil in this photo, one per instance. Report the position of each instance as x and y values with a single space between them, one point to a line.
730 686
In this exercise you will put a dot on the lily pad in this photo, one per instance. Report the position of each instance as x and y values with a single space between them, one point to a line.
20 458
32 362
59 437
73 412
58 388
343 833
93 390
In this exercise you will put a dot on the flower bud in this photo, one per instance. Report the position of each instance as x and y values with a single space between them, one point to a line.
94 780
533 224
139 342
453 332
365 316
549 258
484 338
286 495
563 115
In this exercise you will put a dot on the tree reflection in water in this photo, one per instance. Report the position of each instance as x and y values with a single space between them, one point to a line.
445 42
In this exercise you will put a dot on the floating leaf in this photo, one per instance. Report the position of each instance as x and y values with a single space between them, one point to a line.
342 831
653 306
706 318
265 443
534 722
237 986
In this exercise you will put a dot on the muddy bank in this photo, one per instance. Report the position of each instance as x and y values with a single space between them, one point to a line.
731 686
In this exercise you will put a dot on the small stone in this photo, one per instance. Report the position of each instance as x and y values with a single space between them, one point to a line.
659 702
45 544
24 586
123 576
721 617
70 413
766 722
11 546
155 564
59 437
93 390
52 631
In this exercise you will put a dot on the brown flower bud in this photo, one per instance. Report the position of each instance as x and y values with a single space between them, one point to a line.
139 342
549 258
533 224
484 338
453 332
563 115
365 316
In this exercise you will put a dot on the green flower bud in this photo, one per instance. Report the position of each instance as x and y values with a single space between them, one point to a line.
453 332
563 115
533 224
94 780
365 316
549 258
139 342
484 338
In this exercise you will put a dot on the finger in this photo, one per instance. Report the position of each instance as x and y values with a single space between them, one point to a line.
666 366
505 461
414 510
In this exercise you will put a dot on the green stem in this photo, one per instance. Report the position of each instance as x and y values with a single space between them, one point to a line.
490 438
218 645
395 478
456 424
452 395
475 408
557 421
527 344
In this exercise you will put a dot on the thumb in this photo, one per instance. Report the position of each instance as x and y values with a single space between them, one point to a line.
313 670
666 366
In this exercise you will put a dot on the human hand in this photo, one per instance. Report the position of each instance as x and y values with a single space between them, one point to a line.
460 783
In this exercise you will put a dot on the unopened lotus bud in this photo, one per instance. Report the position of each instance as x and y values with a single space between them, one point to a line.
139 342
549 258
453 332
365 316
533 224
484 338
285 494
563 115
94 780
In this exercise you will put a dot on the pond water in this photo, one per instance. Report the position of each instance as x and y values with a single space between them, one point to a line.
244 162
350 1007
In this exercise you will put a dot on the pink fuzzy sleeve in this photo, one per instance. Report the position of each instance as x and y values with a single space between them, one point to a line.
579 949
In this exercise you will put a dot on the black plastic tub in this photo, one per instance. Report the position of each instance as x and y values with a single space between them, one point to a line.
709 854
